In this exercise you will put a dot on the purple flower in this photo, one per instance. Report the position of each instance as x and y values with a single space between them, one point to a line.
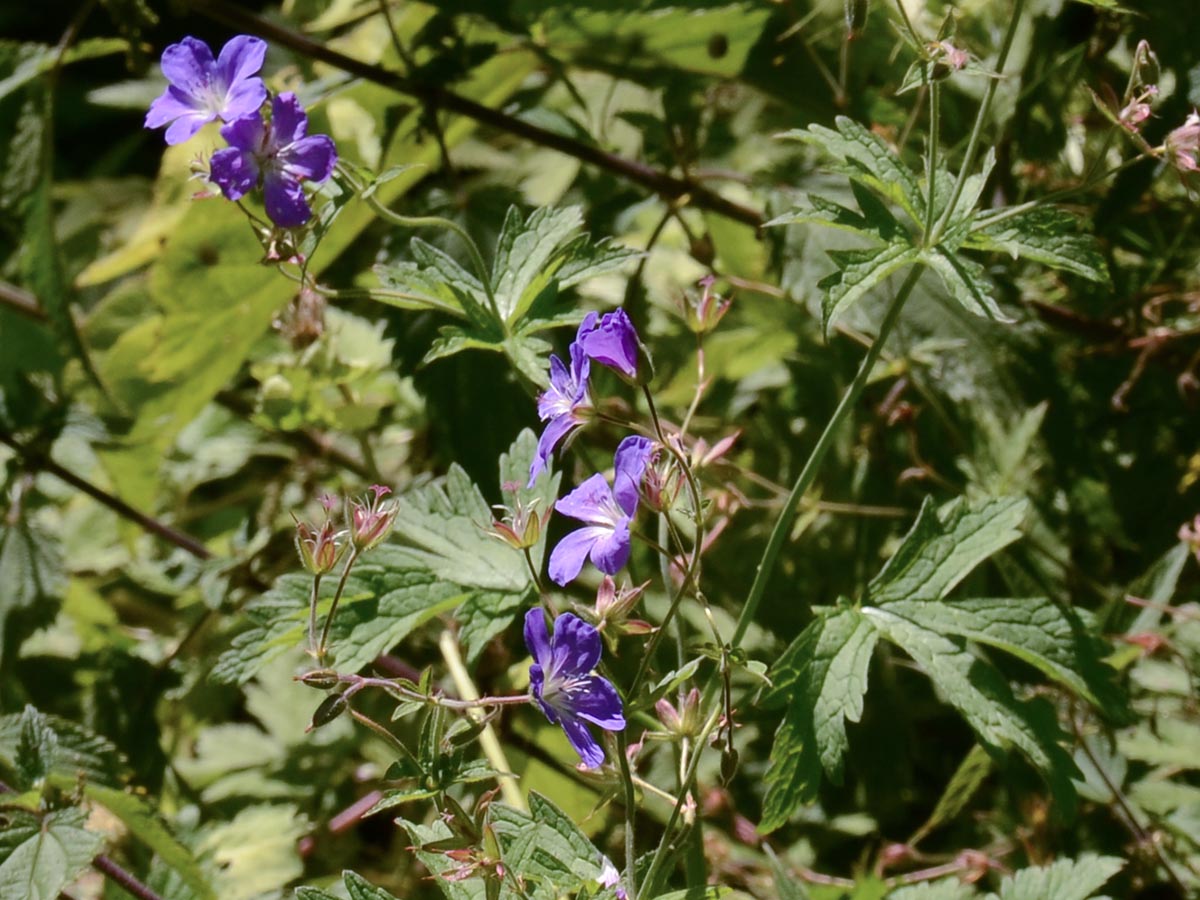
202 89
608 513
564 407
612 341
280 154
563 685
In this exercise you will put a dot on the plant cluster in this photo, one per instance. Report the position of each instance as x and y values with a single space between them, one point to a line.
846 565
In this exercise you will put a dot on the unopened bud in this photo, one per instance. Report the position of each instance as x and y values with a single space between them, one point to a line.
321 679
704 312
319 549
682 722
613 606
331 707
855 12
521 526
1146 69
661 483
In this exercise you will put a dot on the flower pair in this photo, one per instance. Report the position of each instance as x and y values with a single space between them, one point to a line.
277 154
567 405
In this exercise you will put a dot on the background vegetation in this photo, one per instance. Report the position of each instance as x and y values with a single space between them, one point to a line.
168 400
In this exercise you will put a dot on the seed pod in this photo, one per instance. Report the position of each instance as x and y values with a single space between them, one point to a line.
856 17
331 707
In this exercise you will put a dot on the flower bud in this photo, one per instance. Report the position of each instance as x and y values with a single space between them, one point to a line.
702 314
612 606
319 549
372 519
1183 145
682 722
661 483
521 527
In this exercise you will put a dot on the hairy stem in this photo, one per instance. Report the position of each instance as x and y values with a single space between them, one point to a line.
985 109
808 474
323 645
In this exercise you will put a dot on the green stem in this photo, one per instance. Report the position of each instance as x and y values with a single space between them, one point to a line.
985 108
630 813
808 474
403 221
337 596
935 98
312 614
689 778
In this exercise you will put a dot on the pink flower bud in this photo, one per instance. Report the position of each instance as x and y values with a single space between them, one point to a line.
521 526
1182 145
705 312
319 549
372 519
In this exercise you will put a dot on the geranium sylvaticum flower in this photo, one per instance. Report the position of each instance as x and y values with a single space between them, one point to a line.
608 512
564 406
611 340
203 89
279 154
563 684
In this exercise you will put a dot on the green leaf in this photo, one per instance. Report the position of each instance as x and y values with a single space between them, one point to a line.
443 527
386 597
255 852
145 825
361 889
312 893
859 272
958 793
45 745
545 844
427 839
25 62
978 691
31 572
825 676
1045 234
1063 880
966 283
945 545
867 159
40 856
946 889
876 220
1036 630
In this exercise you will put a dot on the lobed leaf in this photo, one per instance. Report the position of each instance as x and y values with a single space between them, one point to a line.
1063 880
824 675
859 272
1046 234
966 283
867 159
980 693
944 546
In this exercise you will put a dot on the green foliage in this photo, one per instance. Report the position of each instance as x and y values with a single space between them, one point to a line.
41 855
823 675
973 486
